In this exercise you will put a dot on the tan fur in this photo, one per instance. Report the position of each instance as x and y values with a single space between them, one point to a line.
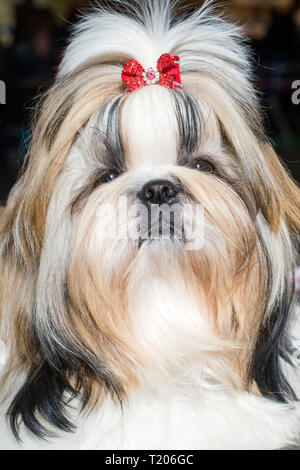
233 281
27 205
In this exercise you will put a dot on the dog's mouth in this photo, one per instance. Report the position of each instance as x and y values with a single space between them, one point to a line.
162 228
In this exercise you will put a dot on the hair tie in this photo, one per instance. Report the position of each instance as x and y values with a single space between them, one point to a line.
166 73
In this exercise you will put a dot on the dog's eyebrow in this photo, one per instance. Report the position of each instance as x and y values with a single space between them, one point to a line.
107 133
189 122
106 149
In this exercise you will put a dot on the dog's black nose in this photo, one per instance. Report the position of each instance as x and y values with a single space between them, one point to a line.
158 192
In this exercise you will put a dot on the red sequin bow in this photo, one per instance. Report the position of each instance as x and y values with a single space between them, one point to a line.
167 73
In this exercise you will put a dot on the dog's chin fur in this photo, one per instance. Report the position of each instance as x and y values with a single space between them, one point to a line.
117 344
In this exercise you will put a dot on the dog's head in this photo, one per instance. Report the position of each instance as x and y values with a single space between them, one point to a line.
92 302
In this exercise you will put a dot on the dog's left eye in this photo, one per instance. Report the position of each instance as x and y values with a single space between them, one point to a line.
109 176
203 165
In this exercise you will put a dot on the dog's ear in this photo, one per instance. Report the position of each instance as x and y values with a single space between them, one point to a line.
63 112
272 349
42 402
22 227
279 238
275 199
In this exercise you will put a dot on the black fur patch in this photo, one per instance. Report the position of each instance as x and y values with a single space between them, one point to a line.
63 375
272 345
40 397
189 122
109 134
270 349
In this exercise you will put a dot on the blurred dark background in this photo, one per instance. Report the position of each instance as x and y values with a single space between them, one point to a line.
33 35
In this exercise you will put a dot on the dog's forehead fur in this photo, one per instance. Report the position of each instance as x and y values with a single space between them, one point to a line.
150 128
181 127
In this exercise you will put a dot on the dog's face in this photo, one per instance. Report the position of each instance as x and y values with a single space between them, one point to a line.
104 305
148 151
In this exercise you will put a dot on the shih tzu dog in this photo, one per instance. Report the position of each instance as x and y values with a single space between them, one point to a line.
117 337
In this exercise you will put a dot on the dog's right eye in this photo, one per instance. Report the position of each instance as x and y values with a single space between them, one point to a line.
202 165
109 175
